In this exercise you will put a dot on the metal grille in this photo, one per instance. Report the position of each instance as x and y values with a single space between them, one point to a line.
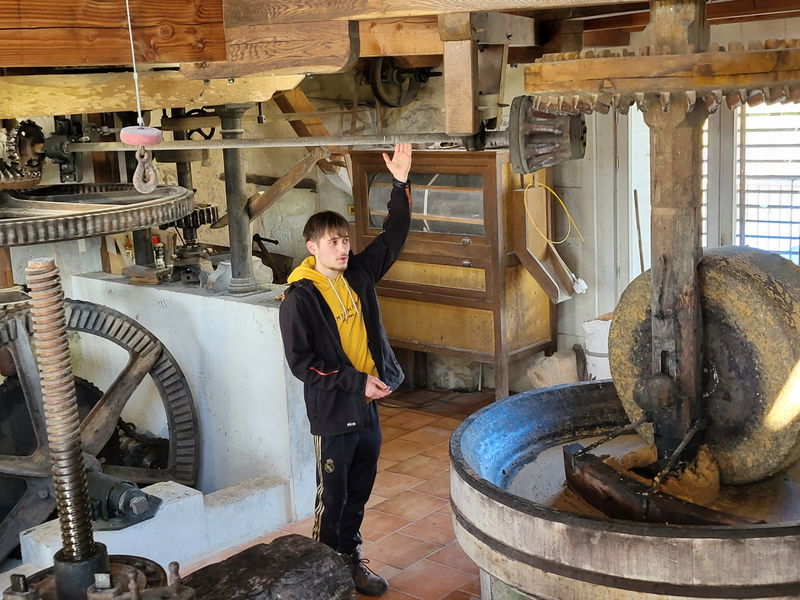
768 179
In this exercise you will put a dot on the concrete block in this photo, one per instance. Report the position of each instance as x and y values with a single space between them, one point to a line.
233 514
177 532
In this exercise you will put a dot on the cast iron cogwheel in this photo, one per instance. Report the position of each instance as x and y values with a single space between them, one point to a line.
66 212
27 497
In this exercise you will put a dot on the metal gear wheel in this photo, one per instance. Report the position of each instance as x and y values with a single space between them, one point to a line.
66 212
26 497
203 214
24 158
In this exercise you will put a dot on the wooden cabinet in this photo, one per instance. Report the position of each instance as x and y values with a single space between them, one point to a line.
457 288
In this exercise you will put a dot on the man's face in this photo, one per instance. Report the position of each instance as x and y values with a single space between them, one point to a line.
331 251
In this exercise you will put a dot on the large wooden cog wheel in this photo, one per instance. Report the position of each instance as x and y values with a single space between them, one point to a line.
26 495
574 83
750 303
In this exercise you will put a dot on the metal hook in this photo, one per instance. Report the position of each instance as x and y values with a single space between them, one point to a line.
145 178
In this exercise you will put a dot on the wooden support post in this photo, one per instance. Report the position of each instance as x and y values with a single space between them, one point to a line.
676 151
460 87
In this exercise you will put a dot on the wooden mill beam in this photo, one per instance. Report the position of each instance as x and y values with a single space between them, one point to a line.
258 12
80 32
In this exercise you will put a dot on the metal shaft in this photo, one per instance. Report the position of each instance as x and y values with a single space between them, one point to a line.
60 408
242 278
238 142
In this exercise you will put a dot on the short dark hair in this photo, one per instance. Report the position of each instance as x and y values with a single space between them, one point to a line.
322 222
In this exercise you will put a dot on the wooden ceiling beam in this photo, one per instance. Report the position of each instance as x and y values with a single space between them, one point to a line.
41 95
81 33
417 36
258 12
325 47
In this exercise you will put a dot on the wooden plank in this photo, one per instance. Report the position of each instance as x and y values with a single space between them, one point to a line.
418 36
460 87
706 71
423 323
527 308
77 32
295 100
110 92
283 48
455 26
503 29
458 277
253 12
606 38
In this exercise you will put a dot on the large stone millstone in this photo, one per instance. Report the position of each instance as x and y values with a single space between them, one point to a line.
292 567
751 358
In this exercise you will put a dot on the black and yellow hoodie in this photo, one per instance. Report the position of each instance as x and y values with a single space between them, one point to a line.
335 375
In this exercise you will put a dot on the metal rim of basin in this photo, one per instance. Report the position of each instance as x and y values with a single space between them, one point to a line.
529 545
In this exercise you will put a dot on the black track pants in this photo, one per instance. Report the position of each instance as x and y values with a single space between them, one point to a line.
346 469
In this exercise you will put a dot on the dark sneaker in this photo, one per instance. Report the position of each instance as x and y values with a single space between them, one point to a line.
366 582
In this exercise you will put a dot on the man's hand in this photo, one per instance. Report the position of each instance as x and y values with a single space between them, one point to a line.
400 163
376 389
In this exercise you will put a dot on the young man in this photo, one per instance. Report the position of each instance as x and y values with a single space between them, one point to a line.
336 345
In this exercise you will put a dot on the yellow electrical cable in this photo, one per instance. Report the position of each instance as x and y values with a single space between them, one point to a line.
570 221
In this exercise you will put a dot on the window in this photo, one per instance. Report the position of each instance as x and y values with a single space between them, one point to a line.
768 179
751 180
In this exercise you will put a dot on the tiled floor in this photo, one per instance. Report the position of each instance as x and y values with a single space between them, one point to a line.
408 532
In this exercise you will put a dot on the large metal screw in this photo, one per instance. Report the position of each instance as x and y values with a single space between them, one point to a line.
60 408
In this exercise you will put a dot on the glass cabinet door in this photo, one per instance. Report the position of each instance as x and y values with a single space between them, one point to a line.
443 202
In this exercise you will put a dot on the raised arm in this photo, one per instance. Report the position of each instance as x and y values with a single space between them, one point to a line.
384 249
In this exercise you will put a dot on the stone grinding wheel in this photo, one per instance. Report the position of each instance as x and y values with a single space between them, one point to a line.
751 358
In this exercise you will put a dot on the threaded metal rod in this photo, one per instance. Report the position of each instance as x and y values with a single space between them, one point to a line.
60 408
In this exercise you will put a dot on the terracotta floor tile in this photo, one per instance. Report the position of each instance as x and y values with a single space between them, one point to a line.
429 581
388 484
389 433
447 509
409 420
401 551
428 435
461 595
473 587
447 423
389 595
388 411
379 524
384 463
301 527
439 451
411 505
400 449
436 527
381 568
444 410
420 466
453 556
373 500
438 486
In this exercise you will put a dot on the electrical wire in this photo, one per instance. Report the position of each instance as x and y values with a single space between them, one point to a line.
570 221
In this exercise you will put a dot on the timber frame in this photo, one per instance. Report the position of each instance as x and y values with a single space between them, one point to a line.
206 52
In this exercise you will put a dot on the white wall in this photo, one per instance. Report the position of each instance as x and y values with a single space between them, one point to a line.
250 408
